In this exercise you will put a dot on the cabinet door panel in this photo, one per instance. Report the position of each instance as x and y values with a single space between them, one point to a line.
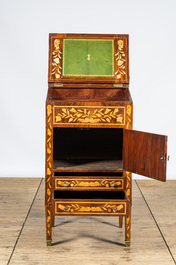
145 154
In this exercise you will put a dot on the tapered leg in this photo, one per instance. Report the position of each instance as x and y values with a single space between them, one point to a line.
52 220
48 226
128 227
120 221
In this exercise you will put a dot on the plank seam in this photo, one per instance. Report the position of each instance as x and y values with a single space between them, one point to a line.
156 223
24 222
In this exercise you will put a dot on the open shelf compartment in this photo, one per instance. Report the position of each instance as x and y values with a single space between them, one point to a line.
87 149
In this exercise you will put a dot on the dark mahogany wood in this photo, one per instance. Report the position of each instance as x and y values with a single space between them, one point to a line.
145 154
100 94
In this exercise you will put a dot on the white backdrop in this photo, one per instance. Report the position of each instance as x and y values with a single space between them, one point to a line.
24 29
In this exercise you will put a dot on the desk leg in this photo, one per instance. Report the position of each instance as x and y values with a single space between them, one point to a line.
52 220
120 221
128 227
48 225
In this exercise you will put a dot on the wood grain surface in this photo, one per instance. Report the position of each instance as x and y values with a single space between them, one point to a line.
145 154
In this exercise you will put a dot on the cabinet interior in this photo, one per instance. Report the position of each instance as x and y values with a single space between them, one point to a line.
87 149
89 195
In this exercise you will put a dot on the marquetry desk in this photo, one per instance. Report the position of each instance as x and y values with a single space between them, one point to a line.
91 149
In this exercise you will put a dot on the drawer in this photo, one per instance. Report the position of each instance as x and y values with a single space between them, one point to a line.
87 183
89 115
91 203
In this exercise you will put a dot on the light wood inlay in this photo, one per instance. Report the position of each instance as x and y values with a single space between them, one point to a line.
93 183
93 208
89 115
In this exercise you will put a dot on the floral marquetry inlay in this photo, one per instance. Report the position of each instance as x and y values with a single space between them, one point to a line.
48 152
121 60
87 115
94 208
56 60
128 226
93 183
128 184
129 118
48 222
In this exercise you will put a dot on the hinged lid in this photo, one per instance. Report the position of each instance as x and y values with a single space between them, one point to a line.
88 58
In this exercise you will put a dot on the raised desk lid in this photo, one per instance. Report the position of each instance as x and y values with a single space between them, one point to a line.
88 58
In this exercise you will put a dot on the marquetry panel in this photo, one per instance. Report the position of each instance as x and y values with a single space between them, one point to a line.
49 161
90 208
88 58
89 115
89 183
129 118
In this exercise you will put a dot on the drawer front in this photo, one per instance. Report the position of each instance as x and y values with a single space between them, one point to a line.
76 183
63 207
89 115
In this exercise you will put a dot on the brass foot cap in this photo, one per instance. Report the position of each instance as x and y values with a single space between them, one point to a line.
48 242
127 243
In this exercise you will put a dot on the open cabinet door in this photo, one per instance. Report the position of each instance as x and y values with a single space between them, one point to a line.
145 154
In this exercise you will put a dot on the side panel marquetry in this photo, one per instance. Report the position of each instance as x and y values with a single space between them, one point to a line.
89 115
90 208
128 184
89 183
129 117
121 60
49 139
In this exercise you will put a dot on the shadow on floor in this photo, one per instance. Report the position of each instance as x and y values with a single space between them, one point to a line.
74 220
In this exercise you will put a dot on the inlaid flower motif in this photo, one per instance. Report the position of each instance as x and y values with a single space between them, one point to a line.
56 70
120 58
86 115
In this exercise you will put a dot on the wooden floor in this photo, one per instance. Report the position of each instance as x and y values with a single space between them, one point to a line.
86 240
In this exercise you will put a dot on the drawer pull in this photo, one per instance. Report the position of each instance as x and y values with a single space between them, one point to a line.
65 209
112 184
115 209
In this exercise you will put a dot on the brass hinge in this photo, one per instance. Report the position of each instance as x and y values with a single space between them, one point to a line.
58 84
117 85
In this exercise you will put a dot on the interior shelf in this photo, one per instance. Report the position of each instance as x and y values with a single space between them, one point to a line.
87 165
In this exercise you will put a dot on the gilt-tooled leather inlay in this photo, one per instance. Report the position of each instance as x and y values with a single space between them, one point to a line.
89 115
88 57
93 208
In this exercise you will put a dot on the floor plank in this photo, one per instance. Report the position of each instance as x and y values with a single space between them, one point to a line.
161 199
91 240
16 196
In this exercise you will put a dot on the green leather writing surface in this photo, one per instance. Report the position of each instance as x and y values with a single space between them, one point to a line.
88 57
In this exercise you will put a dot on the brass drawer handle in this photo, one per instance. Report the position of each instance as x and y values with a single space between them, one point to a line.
65 209
115 209
65 184
112 184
